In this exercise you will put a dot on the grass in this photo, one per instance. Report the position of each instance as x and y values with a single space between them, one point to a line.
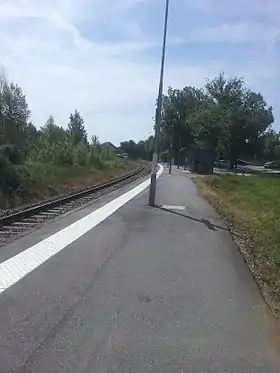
251 206
44 174
44 180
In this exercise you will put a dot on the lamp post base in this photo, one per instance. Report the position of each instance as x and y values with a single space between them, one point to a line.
152 195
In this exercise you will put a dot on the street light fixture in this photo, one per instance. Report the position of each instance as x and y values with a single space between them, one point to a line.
152 194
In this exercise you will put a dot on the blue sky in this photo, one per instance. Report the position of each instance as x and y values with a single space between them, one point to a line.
102 56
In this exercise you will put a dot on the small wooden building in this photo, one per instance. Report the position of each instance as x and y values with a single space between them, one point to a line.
200 160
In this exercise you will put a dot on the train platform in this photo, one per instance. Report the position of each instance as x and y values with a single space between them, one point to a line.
142 289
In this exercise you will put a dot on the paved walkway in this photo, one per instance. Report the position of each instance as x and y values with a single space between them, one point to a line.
149 290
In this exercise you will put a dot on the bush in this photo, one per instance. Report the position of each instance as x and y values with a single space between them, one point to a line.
12 153
81 155
12 178
59 153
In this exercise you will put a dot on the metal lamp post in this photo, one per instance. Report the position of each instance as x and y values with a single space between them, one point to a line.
152 194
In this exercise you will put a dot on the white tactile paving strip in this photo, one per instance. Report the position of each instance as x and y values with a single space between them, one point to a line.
172 207
17 267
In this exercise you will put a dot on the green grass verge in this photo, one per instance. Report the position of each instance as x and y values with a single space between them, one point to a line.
251 206
44 174
39 181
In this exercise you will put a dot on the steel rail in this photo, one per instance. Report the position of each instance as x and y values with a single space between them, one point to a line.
17 216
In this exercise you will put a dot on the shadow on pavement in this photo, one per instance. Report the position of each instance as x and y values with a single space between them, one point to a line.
206 222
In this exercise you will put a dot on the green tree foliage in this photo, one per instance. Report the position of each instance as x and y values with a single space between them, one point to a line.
269 145
178 109
53 145
77 129
209 129
51 132
14 126
21 142
14 115
141 150
56 146
247 114
225 117
12 177
31 137
81 154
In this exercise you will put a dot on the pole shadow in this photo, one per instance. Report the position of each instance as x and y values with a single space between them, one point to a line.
206 222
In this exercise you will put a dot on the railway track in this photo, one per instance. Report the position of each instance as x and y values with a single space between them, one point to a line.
16 224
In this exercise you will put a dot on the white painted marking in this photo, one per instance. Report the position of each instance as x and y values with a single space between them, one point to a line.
17 267
171 207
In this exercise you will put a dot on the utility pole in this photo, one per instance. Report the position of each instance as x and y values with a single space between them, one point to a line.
171 148
170 159
152 194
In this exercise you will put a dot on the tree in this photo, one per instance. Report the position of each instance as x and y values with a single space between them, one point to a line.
31 137
3 84
51 132
76 128
53 145
81 154
210 126
20 141
14 114
95 141
141 150
130 147
246 113
225 117
178 108
269 145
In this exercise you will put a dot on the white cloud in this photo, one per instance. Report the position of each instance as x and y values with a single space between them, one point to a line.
43 50
241 8
67 9
237 32
252 21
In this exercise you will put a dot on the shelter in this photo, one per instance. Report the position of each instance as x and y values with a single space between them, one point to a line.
200 160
